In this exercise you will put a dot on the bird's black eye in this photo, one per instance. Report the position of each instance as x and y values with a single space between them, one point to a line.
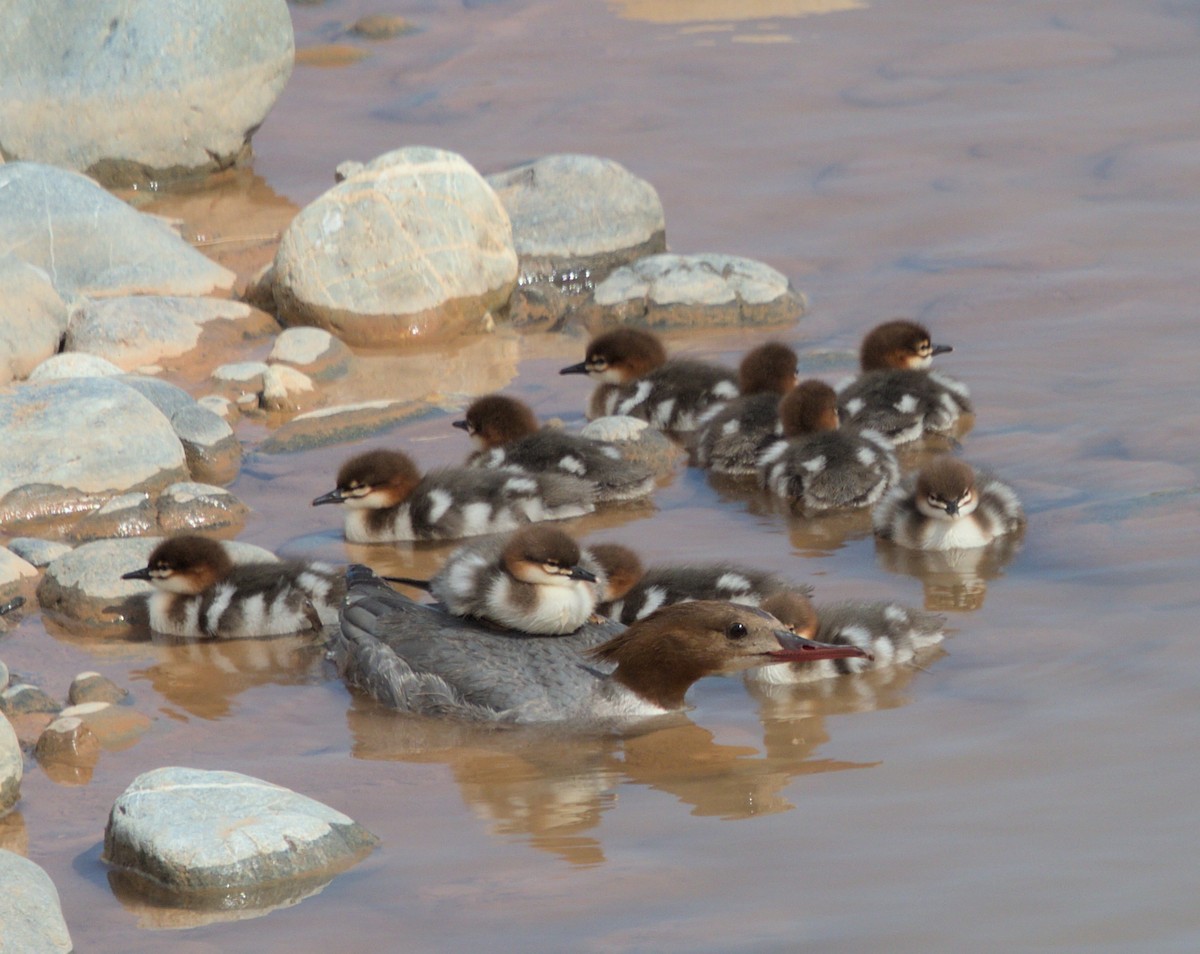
737 631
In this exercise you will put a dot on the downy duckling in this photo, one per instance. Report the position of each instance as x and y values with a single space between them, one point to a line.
531 580
893 635
418 659
730 436
947 505
897 393
819 465
510 436
200 592
636 379
387 499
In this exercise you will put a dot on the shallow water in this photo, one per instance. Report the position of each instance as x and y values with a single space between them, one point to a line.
1023 177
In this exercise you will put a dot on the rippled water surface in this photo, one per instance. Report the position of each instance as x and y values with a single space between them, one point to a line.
1022 176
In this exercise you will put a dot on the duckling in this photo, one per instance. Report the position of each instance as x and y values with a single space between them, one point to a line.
510 436
531 580
892 635
897 393
637 380
199 592
730 436
418 659
387 499
947 505
819 465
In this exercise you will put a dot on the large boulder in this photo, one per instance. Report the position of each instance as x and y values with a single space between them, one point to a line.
414 245
32 318
89 242
11 767
31 917
132 90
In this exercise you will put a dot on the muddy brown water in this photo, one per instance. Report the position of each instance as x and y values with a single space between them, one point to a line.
1024 177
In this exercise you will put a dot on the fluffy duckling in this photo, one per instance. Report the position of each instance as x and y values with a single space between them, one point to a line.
892 634
730 436
947 505
531 580
510 436
387 499
636 379
897 394
417 659
819 465
200 592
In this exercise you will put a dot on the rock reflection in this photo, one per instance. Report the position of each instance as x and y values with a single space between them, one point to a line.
691 11
952 579
204 678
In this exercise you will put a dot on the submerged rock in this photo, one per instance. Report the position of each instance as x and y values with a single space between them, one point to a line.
191 506
31 917
94 687
338 425
134 90
413 246
206 836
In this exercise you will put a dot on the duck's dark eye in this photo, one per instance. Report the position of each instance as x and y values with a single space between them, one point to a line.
738 631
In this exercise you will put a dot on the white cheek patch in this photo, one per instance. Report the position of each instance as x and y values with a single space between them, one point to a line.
439 502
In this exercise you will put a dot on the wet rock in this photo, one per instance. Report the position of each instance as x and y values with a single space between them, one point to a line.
37 552
260 289
203 835
94 687
118 442
70 741
313 350
23 699
576 218
126 515
381 26
115 727
286 389
693 291
74 365
338 425
31 917
152 93
11 769
638 441
33 320
85 585
90 243
414 246
212 451
144 331
191 506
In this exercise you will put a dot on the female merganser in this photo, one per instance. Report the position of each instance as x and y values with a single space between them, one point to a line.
729 437
418 659
387 499
947 505
637 380
530 580
892 635
897 394
510 436
819 465
200 592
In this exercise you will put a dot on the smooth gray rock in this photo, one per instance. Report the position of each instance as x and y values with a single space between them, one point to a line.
92 244
209 834
23 699
74 365
32 320
416 245
140 332
213 452
31 917
37 552
573 213
690 291
85 585
126 515
132 90
313 350
12 768
118 442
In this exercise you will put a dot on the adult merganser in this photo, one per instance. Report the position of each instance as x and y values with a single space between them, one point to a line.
897 394
947 505
200 592
819 465
418 659
510 436
530 580
387 499
637 380
730 436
